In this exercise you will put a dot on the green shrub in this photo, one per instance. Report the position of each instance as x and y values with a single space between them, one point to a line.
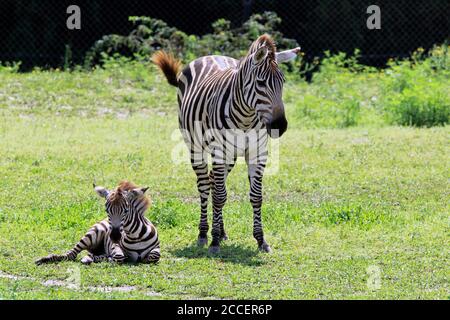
334 98
416 90
10 67
420 106
152 34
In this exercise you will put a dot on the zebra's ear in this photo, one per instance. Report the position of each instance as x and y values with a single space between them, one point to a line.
139 191
288 55
101 191
260 55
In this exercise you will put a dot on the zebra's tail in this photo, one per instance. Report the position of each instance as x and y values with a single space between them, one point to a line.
170 66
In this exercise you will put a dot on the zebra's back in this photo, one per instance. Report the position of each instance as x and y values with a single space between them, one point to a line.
198 82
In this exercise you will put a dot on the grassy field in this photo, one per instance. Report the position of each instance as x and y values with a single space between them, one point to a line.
356 210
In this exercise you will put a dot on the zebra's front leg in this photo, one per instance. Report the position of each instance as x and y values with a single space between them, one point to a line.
255 175
219 197
117 254
203 186
153 256
91 258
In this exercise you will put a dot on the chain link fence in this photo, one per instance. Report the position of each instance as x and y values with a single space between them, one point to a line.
35 31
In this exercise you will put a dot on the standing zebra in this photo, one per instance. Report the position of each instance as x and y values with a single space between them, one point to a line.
220 101
126 235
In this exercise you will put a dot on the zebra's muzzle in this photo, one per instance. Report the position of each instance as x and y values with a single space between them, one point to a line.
277 127
115 235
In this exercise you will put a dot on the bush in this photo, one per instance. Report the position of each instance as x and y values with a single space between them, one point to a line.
416 90
9 67
336 93
151 34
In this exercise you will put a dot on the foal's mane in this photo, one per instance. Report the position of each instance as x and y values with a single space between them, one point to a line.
125 185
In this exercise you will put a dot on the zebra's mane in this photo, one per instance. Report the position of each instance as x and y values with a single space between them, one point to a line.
128 186
125 185
117 197
264 41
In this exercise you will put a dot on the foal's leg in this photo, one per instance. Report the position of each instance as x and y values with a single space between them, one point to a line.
203 186
92 239
117 254
91 258
153 256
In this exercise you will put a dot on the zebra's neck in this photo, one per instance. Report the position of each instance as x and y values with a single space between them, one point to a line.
136 226
241 115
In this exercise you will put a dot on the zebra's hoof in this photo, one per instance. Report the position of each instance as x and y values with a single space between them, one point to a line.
201 242
214 249
38 262
265 248
118 259
86 260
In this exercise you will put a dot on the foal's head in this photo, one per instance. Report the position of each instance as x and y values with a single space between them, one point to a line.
117 206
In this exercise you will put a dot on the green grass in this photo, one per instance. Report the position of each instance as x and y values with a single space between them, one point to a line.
345 200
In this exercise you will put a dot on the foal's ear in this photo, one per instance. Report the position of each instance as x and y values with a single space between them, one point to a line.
139 191
101 191
260 55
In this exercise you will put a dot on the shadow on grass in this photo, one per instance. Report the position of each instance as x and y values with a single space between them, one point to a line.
229 253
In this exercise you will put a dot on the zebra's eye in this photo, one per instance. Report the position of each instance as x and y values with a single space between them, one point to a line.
260 82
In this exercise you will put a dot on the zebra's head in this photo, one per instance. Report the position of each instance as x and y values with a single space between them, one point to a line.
263 83
117 207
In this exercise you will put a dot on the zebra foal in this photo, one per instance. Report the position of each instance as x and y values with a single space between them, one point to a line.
125 236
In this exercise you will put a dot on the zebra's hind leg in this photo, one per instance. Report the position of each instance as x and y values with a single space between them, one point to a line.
203 186
91 240
52 258
219 197
68 256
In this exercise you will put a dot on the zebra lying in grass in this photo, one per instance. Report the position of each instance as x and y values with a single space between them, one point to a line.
126 235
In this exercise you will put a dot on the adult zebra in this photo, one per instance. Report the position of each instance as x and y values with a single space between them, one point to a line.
224 105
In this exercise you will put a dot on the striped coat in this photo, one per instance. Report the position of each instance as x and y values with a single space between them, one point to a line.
228 108
125 236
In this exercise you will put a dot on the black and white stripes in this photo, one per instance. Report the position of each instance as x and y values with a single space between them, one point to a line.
227 108
125 236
